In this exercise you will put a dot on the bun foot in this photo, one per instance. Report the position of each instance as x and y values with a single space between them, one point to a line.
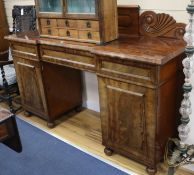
108 151
51 124
151 170
27 114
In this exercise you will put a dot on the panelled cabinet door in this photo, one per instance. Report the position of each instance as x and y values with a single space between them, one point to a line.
30 85
125 118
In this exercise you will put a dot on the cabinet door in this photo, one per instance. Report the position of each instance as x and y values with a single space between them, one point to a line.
30 85
127 115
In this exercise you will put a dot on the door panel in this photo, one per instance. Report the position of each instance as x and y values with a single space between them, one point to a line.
128 117
123 115
30 85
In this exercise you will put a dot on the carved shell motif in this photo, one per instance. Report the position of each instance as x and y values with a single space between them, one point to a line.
163 25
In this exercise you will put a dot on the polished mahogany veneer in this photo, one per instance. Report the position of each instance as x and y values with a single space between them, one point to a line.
139 79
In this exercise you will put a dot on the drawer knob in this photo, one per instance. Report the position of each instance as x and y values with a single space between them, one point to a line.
67 23
68 33
89 35
49 31
88 24
48 22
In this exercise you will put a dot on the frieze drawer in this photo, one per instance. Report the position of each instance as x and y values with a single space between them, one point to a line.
24 50
134 73
69 59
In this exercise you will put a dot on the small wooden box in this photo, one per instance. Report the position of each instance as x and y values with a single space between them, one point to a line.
93 21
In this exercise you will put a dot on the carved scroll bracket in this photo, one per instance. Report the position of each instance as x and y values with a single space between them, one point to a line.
160 25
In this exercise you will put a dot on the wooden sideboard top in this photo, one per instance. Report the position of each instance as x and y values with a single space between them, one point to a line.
145 49
153 50
152 38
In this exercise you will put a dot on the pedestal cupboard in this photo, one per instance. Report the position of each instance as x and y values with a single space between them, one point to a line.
46 90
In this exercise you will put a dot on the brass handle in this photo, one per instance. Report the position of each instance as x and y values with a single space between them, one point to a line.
88 24
89 35
68 33
67 23
48 22
49 31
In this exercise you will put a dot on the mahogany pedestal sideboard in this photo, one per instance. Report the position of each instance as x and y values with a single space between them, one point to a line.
139 84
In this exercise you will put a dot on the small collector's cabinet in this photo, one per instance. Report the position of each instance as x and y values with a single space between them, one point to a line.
92 21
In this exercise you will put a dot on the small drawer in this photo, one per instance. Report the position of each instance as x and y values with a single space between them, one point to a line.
49 31
89 35
67 23
62 32
48 22
88 25
68 33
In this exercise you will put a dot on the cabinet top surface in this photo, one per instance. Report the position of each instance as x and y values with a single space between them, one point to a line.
142 49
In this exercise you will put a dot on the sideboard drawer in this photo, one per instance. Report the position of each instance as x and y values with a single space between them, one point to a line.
27 51
132 72
24 48
68 58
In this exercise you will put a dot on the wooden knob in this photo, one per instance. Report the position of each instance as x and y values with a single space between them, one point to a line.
68 33
48 22
67 23
88 24
89 35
